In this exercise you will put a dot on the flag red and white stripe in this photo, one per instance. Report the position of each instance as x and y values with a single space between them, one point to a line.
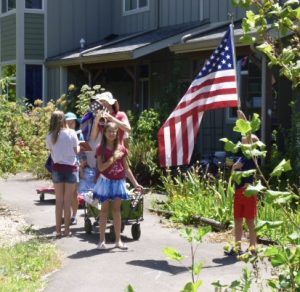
214 87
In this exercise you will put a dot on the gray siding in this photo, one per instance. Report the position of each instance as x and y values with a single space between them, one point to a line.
217 10
124 24
8 38
172 12
70 20
34 36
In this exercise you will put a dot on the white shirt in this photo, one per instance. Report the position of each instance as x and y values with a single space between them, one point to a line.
62 151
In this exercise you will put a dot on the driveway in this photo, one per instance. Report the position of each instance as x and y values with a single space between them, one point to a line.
144 265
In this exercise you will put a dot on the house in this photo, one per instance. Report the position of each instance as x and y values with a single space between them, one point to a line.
145 51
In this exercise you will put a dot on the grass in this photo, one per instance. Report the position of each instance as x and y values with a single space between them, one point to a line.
23 267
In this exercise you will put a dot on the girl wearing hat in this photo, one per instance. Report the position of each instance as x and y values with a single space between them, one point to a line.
111 114
73 123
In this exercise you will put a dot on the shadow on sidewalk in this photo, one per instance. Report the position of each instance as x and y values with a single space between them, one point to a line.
158 265
225 261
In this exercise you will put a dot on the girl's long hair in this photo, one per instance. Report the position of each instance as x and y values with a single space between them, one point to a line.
57 122
104 139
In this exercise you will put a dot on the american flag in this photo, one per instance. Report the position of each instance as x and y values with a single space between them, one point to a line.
214 87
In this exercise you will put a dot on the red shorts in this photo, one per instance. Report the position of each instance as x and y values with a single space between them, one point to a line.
244 207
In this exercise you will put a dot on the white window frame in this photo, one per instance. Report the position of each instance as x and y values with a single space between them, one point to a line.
138 9
34 9
7 11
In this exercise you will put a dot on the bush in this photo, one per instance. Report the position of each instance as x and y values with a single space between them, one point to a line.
143 154
22 137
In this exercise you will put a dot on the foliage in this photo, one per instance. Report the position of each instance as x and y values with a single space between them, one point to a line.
194 238
22 136
195 194
143 154
7 83
278 32
24 265
81 105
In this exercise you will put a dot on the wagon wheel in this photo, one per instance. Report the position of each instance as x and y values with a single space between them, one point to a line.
112 236
122 227
136 231
88 226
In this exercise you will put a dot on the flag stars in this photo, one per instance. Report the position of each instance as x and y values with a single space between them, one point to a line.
223 61
226 48
229 65
227 57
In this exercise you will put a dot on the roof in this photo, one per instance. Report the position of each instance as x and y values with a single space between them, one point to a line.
208 41
133 46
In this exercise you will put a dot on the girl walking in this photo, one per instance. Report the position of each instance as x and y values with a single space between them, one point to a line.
111 185
64 146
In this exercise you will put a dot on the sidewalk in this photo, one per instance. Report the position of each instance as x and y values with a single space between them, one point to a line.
144 265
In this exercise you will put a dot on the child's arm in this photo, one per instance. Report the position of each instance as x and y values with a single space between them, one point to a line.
130 175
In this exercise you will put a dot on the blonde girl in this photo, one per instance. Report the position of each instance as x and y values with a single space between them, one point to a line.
64 146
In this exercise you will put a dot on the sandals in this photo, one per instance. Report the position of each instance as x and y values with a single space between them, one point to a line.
68 234
121 246
58 235
101 246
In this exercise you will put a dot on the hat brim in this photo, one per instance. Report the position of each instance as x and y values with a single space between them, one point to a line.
110 101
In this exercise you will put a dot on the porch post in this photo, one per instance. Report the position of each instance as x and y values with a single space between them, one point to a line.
20 58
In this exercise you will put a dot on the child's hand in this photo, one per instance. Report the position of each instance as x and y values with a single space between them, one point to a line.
139 188
118 154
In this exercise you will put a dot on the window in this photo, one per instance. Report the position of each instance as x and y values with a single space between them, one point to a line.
8 5
34 4
133 6
34 82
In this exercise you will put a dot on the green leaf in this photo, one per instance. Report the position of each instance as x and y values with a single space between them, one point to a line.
173 254
218 284
254 190
255 122
271 251
192 287
234 284
283 166
247 39
243 127
298 13
278 260
229 145
269 224
278 197
238 175
197 268
129 288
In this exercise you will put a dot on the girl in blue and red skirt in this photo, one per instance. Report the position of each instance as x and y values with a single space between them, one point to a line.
111 184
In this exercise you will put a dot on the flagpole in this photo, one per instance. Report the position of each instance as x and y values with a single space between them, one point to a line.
234 61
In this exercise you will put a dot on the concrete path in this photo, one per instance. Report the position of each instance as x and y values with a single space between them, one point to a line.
144 265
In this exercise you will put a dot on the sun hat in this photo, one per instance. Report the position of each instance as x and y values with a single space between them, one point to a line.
70 116
105 96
